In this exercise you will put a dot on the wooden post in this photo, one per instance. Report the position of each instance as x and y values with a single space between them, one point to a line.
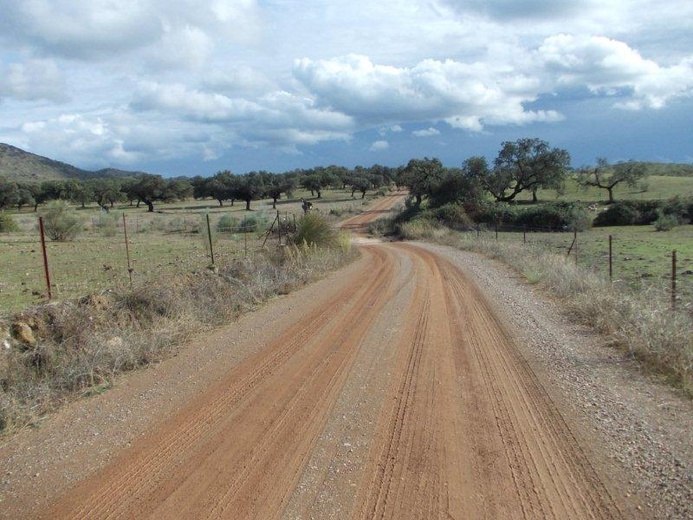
576 246
127 249
279 227
209 235
611 259
45 257
673 280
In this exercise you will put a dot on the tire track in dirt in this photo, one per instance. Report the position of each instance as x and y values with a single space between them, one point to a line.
485 441
321 344
462 428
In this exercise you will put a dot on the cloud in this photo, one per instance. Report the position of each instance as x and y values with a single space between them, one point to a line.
467 95
610 67
99 29
429 132
33 80
379 146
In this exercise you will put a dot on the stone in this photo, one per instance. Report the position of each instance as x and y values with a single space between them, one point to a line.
23 333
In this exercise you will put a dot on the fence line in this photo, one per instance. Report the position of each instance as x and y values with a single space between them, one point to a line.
90 263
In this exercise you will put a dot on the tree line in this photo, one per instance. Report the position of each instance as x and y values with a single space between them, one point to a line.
525 165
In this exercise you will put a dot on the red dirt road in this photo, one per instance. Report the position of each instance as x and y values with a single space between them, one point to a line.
397 394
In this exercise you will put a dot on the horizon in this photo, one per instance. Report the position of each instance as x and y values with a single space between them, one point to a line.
175 88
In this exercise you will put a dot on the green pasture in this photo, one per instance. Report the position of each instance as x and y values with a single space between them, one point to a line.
655 187
641 256
170 242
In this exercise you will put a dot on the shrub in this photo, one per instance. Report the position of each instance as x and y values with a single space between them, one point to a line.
567 216
620 214
313 229
496 213
60 222
453 216
666 222
7 224
227 224
107 223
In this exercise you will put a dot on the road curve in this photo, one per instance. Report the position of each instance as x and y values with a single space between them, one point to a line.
398 395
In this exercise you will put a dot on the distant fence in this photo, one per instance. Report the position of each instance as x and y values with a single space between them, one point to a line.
569 243
119 250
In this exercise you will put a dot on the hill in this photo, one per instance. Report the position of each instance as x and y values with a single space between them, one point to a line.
19 165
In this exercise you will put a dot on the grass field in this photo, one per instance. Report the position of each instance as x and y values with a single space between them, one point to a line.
169 242
658 187
641 256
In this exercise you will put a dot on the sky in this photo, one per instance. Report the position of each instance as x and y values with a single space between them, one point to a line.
182 87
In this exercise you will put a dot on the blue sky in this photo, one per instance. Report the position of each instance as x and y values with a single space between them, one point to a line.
180 87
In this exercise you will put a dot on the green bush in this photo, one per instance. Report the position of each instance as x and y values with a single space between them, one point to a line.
619 214
665 222
496 213
7 224
60 222
564 216
453 216
227 224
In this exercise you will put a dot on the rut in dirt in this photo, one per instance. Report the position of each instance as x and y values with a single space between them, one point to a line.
459 426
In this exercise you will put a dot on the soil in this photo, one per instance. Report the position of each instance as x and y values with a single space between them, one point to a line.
418 382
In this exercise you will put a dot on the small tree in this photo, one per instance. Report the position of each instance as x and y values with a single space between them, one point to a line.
61 222
607 176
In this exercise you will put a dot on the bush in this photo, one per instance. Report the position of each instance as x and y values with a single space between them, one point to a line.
453 216
620 214
107 223
227 224
60 222
666 222
496 213
7 224
313 229
564 216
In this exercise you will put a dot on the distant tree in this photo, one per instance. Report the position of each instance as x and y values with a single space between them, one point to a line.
178 188
250 187
45 192
276 184
9 193
221 187
149 189
318 179
421 176
78 192
607 176
24 198
105 191
525 165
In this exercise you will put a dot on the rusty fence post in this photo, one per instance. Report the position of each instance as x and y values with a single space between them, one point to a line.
45 258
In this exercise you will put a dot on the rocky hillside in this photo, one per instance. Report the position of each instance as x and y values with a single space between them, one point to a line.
19 165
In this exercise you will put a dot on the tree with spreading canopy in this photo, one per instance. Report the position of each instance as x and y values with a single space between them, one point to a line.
421 176
607 176
524 165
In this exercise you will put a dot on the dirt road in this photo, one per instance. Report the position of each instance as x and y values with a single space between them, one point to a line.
389 391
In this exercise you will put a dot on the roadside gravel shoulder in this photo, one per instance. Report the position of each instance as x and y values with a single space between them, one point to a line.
638 433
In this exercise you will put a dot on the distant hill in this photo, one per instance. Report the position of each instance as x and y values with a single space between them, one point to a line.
18 165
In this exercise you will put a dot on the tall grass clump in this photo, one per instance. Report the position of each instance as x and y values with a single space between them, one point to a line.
314 230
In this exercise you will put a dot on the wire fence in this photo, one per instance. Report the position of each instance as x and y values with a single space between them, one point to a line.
116 250
601 253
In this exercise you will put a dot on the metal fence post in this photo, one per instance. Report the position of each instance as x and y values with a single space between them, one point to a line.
45 257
